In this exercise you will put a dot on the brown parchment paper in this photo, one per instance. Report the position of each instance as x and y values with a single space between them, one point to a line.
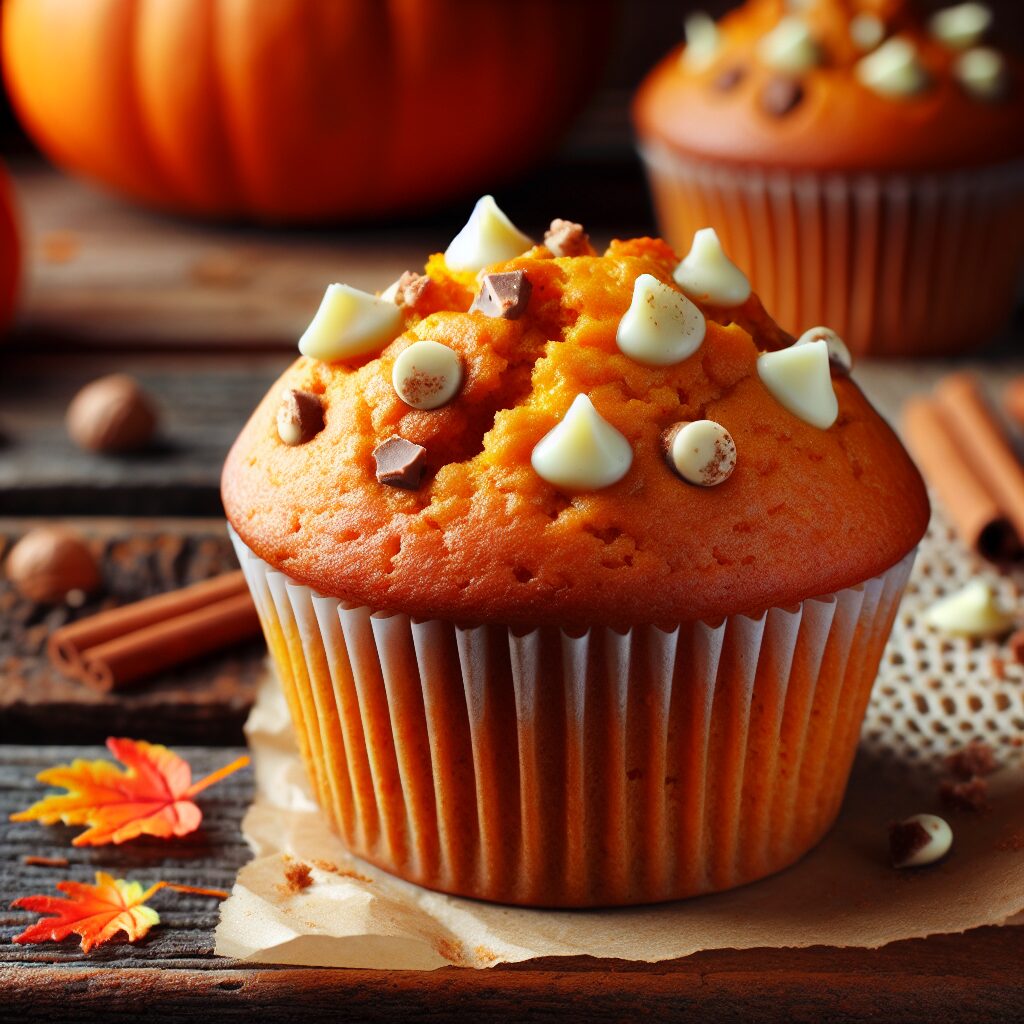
933 695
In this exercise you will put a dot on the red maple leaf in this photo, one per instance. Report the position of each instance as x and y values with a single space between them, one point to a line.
97 912
153 797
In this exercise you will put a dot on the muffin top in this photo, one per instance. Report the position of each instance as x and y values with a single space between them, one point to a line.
537 434
849 85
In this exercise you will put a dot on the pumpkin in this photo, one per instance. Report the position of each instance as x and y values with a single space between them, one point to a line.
298 110
10 252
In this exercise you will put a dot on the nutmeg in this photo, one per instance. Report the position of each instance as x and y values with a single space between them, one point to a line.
49 562
112 414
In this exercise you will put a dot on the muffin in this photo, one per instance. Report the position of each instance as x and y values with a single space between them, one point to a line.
864 163
576 569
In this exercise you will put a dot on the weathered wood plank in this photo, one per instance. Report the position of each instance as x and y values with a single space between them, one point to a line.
977 977
205 701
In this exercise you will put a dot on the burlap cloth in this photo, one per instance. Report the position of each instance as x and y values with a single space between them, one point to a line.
933 695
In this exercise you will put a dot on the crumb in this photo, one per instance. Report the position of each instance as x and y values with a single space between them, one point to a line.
450 949
45 862
905 839
485 956
976 758
965 796
297 876
334 869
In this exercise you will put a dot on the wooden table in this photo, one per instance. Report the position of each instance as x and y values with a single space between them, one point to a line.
206 317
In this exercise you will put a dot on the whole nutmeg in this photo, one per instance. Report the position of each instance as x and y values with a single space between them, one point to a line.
49 562
112 414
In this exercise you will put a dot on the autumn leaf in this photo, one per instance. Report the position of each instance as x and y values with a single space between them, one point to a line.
152 797
97 912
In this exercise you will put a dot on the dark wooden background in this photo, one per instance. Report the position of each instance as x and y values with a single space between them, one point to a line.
206 316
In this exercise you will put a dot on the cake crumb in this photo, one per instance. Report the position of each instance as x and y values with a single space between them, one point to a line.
971 795
334 869
297 876
976 759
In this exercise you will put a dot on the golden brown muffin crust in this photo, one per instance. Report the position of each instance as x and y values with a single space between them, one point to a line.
484 538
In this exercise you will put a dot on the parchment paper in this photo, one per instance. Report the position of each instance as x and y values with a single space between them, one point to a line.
933 695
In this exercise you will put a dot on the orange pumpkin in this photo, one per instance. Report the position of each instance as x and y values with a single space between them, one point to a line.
299 109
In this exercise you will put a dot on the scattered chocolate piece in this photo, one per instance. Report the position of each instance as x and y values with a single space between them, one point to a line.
920 840
400 463
567 238
729 78
503 295
781 96
975 759
112 414
300 416
49 562
411 287
965 796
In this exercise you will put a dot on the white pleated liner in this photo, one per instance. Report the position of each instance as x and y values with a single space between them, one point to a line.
898 264
557 770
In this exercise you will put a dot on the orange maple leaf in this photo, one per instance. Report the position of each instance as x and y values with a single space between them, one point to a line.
153 797
97 912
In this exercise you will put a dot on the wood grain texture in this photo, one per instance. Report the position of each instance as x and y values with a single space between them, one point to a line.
172 973
205 701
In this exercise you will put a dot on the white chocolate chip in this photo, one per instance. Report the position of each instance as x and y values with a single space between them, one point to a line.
702 452
427 374
390 294
867 31
971 612
702 41
961 26
838 353
350 323
982 72
708 275
661 326
799 379
487 237
931 849
583 452
894 69
790 46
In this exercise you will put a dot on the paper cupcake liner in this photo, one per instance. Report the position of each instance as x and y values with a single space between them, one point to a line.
550 769
899 265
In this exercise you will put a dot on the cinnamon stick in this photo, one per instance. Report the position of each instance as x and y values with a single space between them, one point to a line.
66 644
143 652
976 514
984 444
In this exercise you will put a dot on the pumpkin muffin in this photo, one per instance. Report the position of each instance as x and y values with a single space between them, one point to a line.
576 568
863 161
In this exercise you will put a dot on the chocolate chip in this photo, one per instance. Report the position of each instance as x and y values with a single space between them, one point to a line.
300 416
503 295
728 79
781 96
906 838
566 238
411 287
400 463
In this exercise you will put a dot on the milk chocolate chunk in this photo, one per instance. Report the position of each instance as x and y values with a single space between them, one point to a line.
781 96
400 463
503 295
567 238
730 78
300 416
